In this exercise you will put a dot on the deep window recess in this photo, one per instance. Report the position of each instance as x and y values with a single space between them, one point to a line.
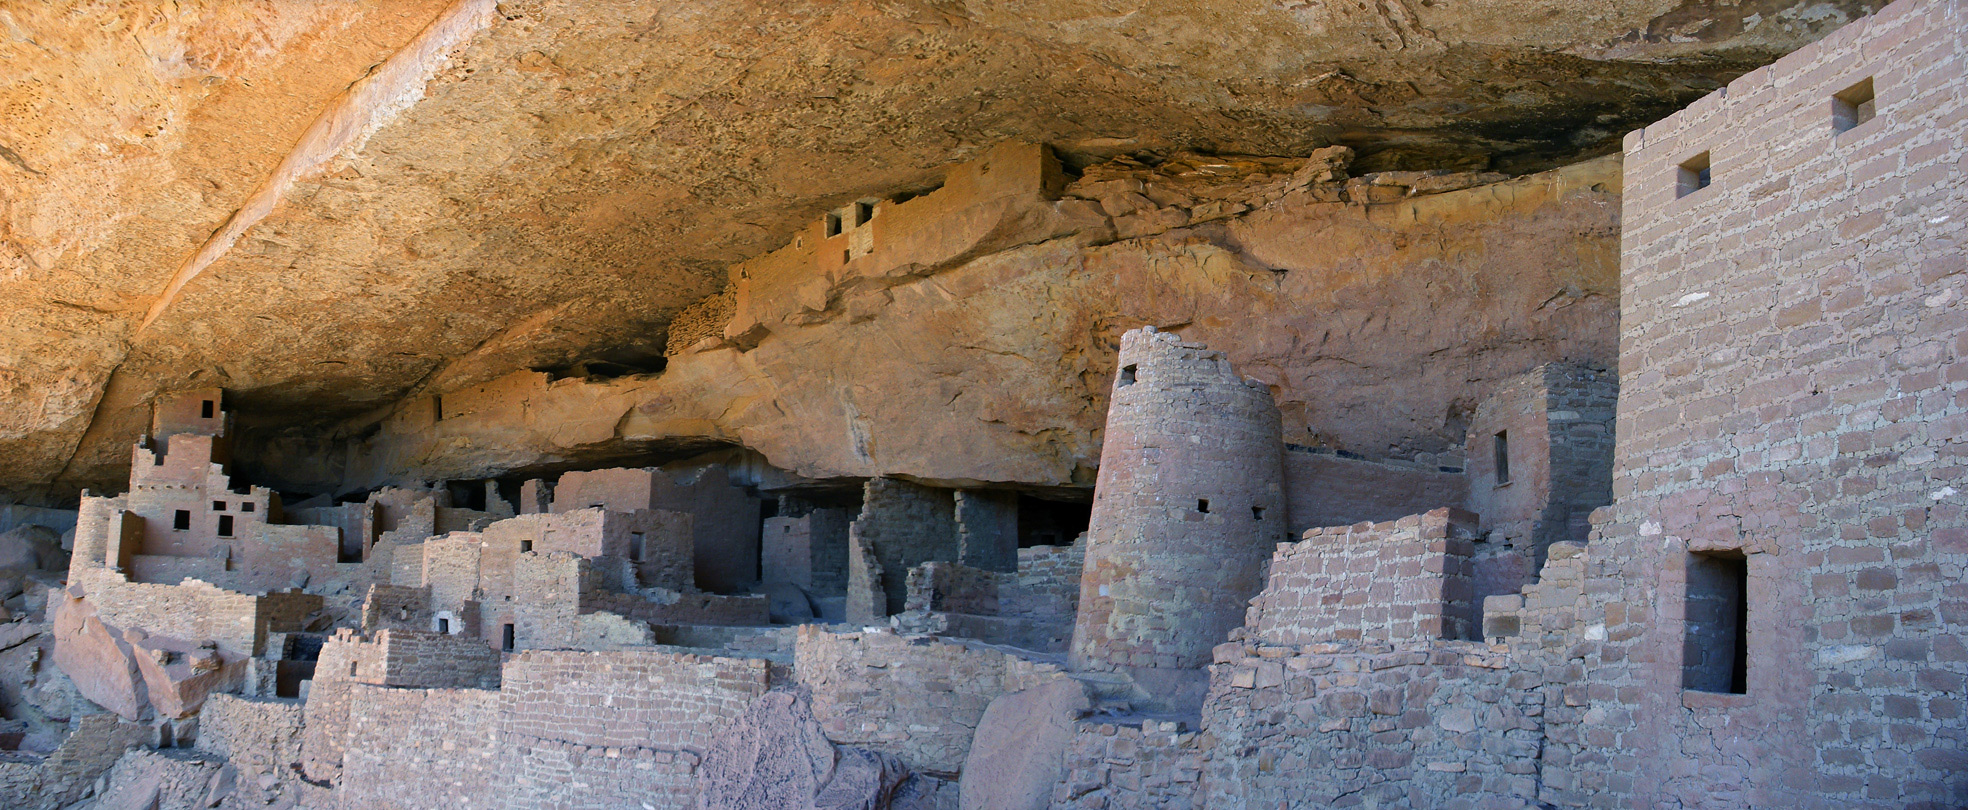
1202 505
218 506
444 625
834 224
1127 374
246 507
1692 176
863 211
506 643
182 520
1715 655
1501 453
1852 107
636 545
1257 513
225 525
525 546
206 410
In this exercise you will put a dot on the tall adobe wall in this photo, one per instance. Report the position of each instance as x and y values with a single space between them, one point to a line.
1188 506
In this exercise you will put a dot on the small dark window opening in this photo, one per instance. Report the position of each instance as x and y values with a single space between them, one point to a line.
354 667
1257 513
863 211
182 520
1202 505
1692 176
444 625
1852 107
636 545
1715 655
218 506
205 411
1127 375
246 507
1501 453
525 546
506 642
225 525
847 256
833 224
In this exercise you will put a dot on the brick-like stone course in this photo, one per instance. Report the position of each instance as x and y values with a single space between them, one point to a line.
604 730
1402 580
1188 505
1147 763
1450 725
1793 391
901 525
423 749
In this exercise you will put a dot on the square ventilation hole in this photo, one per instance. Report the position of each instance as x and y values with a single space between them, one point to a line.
1692 176
1852 107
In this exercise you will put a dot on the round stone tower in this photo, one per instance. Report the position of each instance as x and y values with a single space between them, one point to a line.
1188 506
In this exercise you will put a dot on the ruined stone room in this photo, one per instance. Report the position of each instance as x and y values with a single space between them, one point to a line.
983 404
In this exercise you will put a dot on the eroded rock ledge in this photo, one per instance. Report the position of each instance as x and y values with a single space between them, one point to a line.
966 335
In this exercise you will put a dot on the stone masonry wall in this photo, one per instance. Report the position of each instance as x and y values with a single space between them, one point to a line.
1188 504
987 529
1047 585
615 729
1402 580
256 735
1323 488
423 749
904 525
1793 394
918 698
1448 725
1153 763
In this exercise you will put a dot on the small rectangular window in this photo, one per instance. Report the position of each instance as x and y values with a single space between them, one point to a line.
225 525
1852 107
444 625
833 224
1715 653
205 411
636 545
1692 176
1501 449
1202 505
1127 374
218 506
354 668
246 506
1257 513
506 643
525 546
863 211
182 520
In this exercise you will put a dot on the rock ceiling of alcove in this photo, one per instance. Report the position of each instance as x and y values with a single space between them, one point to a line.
576 172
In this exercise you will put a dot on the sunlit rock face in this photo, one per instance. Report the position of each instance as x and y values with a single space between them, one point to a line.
328 208
987 355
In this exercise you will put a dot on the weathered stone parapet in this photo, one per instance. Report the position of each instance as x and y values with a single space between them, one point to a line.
1402 580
